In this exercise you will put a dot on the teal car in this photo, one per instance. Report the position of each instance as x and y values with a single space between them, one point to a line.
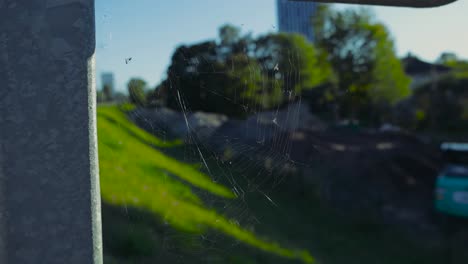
451 194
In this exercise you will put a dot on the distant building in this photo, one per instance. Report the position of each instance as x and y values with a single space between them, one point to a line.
296 17
422 72
108 79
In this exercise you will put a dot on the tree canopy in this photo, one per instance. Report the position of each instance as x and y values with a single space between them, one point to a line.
238 74
361 52
136 90
442 104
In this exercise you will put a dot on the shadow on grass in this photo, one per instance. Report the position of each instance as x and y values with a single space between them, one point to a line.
134 175
132 235
155 230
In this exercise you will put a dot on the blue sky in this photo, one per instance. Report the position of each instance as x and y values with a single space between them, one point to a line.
150 30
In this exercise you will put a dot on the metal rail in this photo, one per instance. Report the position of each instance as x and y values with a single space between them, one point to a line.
400 3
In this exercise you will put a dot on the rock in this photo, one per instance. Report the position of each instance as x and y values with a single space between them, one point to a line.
258 131
162 122
205 124
187 126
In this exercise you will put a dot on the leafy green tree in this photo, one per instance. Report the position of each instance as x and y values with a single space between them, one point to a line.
445 107
240 74
363 58
294 61
459 66
229 34
136 90
447 58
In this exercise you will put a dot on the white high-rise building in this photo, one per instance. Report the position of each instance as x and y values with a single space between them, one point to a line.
296 17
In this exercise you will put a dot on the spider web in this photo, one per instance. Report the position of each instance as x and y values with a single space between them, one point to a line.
249 156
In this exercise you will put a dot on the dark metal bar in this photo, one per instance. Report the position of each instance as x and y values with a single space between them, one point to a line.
400 3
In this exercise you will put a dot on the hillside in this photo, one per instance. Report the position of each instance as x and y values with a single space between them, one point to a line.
147 193
160 206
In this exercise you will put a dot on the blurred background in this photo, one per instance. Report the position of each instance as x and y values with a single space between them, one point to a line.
275 131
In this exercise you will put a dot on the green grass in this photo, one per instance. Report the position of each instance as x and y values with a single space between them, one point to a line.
164 200
135 172
334 239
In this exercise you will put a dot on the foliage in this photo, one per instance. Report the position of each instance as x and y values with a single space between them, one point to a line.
229 34
363 58
100 96
120 97
459 66
107 90
447 58
298 64
136 90
238 74
135 173
442 106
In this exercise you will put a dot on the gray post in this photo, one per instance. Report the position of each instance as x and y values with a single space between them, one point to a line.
49 186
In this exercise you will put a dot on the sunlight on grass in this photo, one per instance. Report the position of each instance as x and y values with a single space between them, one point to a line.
118 118
135 173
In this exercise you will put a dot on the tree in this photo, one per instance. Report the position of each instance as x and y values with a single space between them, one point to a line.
291 59
361 52
229 34
100 96
157 97
445 107
136 90
447 58
107 90
238 74
120 97
459 65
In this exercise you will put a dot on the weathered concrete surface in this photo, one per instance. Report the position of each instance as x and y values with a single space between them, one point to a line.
49 187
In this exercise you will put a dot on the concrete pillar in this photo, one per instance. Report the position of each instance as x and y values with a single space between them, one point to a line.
49 185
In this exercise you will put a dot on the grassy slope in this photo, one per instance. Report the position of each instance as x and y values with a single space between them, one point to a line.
134 173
